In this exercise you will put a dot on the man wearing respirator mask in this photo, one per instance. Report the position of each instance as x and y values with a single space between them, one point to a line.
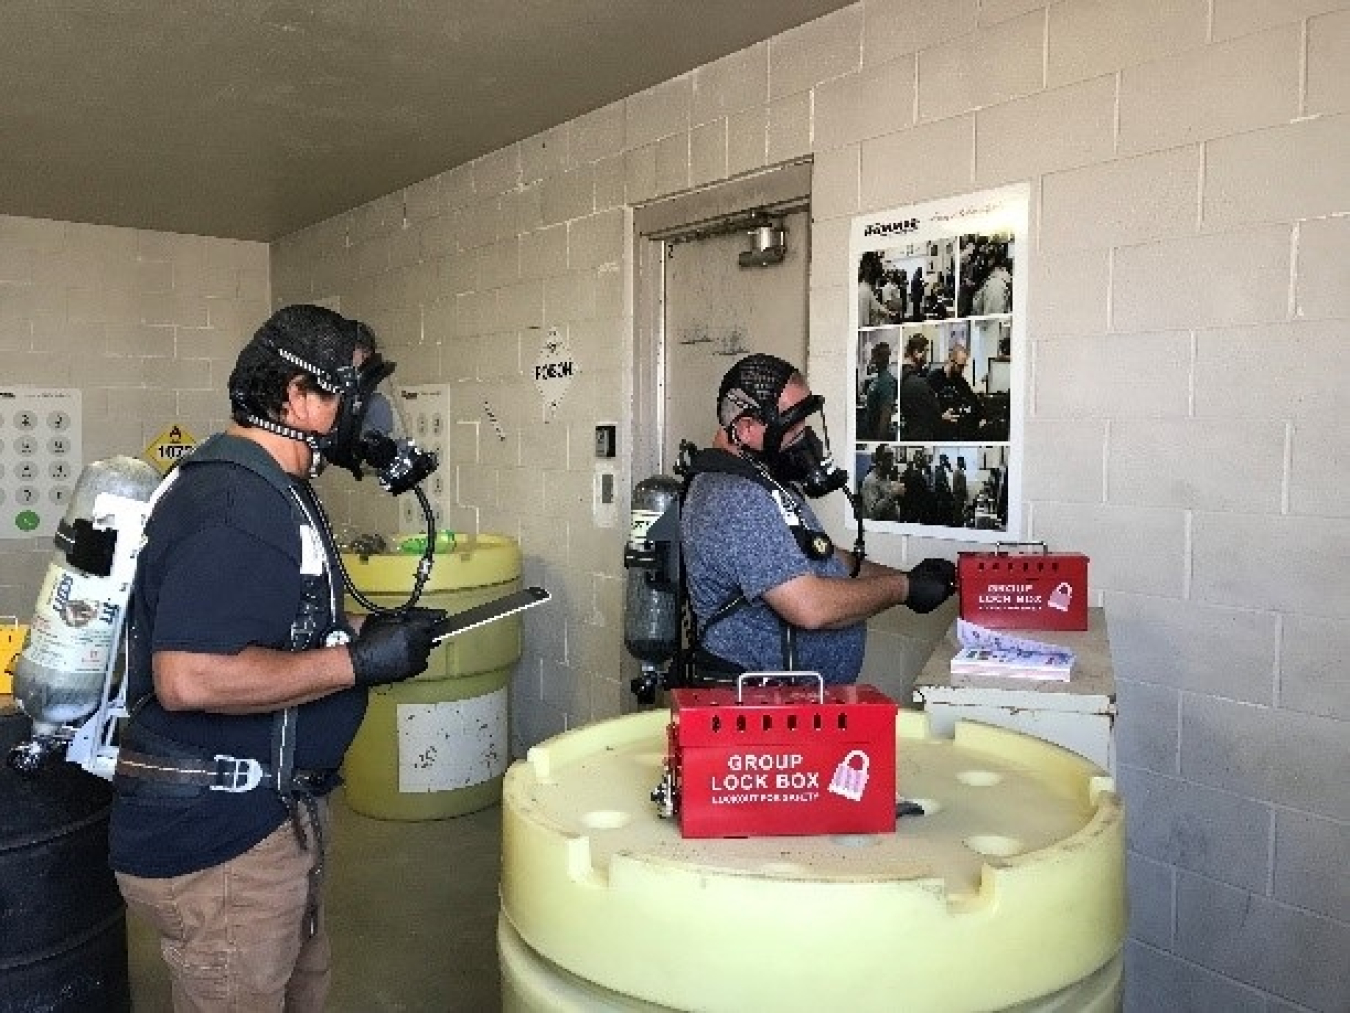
770 590
247 682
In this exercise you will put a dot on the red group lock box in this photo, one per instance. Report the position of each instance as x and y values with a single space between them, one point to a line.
782 760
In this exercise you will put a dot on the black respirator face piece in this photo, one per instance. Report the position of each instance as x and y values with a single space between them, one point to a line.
342 444
807 460
366 433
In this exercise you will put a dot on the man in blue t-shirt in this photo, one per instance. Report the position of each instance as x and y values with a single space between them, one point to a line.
769 589
246 681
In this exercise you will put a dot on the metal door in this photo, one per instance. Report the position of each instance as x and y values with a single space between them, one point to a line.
715 312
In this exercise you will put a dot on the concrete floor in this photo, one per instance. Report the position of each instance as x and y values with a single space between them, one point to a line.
412 912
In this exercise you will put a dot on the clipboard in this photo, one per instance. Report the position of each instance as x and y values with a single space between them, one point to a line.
489 612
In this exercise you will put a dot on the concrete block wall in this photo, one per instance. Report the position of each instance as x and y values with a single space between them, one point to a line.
1187 315
145 324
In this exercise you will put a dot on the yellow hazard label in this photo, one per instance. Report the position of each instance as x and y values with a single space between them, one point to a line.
11 642
169 447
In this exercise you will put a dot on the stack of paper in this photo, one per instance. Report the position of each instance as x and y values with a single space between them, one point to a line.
989 654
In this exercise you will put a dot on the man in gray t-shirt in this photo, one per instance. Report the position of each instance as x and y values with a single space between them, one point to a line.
759 565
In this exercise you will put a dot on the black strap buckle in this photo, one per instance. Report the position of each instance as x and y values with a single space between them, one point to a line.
236 774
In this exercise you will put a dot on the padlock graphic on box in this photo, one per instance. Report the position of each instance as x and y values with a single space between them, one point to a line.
850 781
1061 597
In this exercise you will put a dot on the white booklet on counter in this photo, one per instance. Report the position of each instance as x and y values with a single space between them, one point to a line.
994 654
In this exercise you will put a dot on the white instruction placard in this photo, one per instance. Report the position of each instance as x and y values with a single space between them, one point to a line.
40 458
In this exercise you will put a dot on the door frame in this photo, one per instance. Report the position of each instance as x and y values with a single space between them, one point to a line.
778 190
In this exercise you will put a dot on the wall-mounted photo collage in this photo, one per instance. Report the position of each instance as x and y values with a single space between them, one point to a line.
937 366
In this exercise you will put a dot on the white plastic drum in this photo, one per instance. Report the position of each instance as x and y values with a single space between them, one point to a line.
1007 894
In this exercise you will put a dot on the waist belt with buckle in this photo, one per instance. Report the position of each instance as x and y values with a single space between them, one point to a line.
219 773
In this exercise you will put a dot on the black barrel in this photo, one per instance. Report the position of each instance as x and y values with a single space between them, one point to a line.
63 939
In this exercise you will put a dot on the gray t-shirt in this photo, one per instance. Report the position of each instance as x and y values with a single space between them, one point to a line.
736 541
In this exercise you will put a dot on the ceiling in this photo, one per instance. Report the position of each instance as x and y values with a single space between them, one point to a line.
250 119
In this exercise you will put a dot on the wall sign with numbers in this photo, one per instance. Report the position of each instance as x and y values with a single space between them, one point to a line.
40 458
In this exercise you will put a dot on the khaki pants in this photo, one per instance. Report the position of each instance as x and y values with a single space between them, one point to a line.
233 935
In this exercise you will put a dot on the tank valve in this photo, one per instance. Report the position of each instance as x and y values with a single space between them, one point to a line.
29 757
646 686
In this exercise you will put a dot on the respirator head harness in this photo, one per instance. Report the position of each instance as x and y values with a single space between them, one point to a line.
752 389
323 344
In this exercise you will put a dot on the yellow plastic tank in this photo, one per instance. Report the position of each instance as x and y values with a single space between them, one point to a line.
1007 894
437 745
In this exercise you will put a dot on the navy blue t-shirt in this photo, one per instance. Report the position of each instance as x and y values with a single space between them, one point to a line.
736 541
220 571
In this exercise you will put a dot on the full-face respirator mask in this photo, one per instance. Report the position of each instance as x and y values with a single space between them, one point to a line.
369 433
806 459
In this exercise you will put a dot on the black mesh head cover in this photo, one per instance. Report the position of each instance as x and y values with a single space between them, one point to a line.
295 340
753 387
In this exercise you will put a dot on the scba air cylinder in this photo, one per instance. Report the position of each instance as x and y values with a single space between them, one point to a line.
651 625
80 607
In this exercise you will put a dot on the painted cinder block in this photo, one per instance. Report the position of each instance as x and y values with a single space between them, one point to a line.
1215 833
1072 292
827 47
496 172
1266 753
789 133
543 252
731 84
1187 645
1281 949
1148 727
1321 282
569 195
596 135
1158 981
609 183
876 100
1150 560
984 68
544 154
1234 377
930 160
1072 126
658 112
1242 17
1151 894
1287 564
1328 87
1064 460
1306 158
672 163
1174 283
894 28
596 240
708 152
747 140
1314 677
1206 464
1319 469
1136 376
1092 37
1208 93
1310 864
834 184
1133 200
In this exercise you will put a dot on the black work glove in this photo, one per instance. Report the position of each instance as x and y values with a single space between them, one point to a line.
930 584
393 646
